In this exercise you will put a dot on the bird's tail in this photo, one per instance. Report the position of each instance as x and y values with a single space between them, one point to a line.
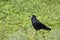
47 28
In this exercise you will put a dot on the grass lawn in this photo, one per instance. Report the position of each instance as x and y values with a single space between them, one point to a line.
15 19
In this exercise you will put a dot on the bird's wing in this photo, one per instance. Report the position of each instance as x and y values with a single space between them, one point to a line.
42 26
37 25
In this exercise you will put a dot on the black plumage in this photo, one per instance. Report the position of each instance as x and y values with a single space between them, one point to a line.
37 24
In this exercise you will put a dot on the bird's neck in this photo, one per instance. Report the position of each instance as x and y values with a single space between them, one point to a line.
34 20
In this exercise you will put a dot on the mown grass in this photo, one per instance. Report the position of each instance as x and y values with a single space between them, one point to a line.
15 19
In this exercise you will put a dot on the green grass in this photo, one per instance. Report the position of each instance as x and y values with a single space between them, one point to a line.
15 19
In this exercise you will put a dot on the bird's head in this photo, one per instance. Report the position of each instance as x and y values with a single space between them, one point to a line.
33 18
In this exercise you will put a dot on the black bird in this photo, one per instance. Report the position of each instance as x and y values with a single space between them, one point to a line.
37 24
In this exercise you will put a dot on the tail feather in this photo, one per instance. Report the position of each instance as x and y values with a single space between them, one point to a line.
47 28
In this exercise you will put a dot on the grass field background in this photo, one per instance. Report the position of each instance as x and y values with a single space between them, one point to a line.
15 19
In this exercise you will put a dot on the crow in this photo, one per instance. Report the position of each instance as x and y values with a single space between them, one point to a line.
37 24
